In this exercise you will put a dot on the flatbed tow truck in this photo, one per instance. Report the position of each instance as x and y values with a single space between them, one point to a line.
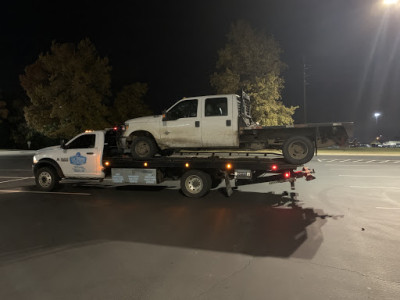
94 155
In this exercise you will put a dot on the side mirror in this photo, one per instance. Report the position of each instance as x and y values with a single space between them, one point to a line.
164 115
63 144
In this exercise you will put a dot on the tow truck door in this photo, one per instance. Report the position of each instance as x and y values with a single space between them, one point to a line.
81 157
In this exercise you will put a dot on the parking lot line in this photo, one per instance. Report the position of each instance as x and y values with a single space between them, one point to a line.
40 192
18 179
394 208
370 176
375 187
15 177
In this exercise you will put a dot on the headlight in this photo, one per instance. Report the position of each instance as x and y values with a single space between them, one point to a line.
35 161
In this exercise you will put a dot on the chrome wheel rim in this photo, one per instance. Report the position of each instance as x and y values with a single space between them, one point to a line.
45 179
194 184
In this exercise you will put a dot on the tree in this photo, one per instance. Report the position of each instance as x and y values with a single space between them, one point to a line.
251 61
67 87
129 103
3 111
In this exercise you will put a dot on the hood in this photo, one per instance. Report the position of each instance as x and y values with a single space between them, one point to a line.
147 119
48 149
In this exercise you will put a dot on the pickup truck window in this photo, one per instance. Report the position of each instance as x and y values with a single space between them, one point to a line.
184 109
84 141
216 107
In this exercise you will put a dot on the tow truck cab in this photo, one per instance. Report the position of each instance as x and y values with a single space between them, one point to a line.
81 157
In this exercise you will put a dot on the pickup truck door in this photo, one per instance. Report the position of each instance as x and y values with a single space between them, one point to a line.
81 157
181 126
217 126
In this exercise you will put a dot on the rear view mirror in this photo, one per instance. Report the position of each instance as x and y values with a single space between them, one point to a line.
164 115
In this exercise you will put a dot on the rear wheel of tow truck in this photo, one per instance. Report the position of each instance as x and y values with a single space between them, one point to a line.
195 183
143 147
298 150
46 179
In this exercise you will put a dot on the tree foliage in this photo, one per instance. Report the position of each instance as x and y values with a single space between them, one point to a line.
251 61
129 102
3 111
67 87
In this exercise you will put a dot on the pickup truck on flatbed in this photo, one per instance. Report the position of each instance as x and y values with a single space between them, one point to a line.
94 155
224 122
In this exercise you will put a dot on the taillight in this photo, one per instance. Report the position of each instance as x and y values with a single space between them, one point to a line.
286 175
274 167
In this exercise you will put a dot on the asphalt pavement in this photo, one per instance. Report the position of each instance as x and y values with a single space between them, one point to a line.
338 238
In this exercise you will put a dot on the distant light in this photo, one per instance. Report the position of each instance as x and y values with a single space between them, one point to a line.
377 114
107 163
228 166
187 165
145 164
389 2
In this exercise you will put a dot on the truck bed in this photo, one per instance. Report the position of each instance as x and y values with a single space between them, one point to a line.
322 134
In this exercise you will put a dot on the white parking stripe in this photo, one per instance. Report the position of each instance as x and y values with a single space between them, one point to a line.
12 180
15 177
369 161
39 192
383 161
370 176
387 207
375 187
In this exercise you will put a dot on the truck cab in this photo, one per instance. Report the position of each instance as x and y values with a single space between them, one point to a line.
80 158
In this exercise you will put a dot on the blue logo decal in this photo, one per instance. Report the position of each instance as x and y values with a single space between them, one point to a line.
78 159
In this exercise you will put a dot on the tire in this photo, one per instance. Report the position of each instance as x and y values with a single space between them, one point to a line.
46 179
298 150
195 183
143 147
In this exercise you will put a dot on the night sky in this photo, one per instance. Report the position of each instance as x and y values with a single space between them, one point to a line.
351 49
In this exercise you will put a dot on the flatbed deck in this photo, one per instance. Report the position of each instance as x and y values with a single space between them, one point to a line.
206 160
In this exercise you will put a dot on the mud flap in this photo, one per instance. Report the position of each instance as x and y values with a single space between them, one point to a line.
228 186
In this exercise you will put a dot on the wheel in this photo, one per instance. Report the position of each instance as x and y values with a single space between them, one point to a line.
46 179
195 183
298 150
143 147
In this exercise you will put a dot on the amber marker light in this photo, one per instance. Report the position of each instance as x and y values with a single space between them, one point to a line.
228 166
145 164
106 163
187 165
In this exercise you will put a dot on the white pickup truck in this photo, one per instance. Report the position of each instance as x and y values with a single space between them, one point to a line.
224 122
